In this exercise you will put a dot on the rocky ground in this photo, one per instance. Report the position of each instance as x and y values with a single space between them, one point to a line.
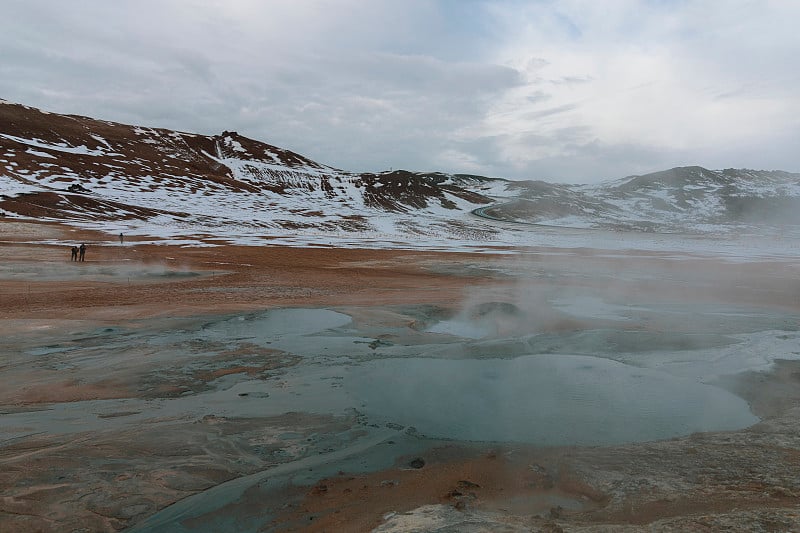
112 477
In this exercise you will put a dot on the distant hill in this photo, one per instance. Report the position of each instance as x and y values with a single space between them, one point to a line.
679 199
105 175
72 167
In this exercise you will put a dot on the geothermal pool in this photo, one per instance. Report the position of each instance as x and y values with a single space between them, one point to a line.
388 381
542 399
508 384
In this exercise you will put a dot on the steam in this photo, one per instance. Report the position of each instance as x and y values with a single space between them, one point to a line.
675 323
91 271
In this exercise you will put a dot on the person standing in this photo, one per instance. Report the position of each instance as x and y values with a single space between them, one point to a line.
82 251
121 238
74 253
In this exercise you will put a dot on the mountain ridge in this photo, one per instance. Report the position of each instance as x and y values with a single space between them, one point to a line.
105 174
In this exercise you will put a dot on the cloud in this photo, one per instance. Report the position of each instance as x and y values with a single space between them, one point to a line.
573 90
670 79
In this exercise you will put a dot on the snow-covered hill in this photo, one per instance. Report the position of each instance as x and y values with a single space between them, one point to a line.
107 175
683 199
104 175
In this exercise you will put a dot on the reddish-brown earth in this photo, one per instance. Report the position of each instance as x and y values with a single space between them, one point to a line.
746 480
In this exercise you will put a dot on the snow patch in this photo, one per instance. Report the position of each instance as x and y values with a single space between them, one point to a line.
60 147
39 154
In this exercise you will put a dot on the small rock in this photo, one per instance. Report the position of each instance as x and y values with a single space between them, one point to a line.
417 463
539 469
782 492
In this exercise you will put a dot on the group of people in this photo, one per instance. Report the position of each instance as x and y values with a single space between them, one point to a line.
78 253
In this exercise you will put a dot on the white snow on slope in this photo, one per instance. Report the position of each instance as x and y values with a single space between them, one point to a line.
61 147
40 154
303 203
12 187
244 219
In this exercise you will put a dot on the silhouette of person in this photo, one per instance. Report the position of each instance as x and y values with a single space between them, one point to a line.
82 251
121 238
74 253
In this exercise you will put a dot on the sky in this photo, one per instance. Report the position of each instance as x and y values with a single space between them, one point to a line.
574 91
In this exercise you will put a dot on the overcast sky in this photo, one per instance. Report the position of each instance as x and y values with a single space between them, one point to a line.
565 91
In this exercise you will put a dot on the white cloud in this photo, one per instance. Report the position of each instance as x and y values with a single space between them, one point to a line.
570 90
679 78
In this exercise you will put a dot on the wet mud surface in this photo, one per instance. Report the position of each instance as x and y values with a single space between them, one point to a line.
352 390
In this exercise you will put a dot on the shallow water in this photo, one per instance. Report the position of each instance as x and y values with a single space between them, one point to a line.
266 327
452 387
592 387
542 399
492 372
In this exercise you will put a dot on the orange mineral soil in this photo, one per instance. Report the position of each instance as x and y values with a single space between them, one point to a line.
115 477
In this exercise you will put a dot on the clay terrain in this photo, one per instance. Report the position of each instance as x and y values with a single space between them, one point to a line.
235 388
258 342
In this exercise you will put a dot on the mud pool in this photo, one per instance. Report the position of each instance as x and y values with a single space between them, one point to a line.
390 382
592 387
